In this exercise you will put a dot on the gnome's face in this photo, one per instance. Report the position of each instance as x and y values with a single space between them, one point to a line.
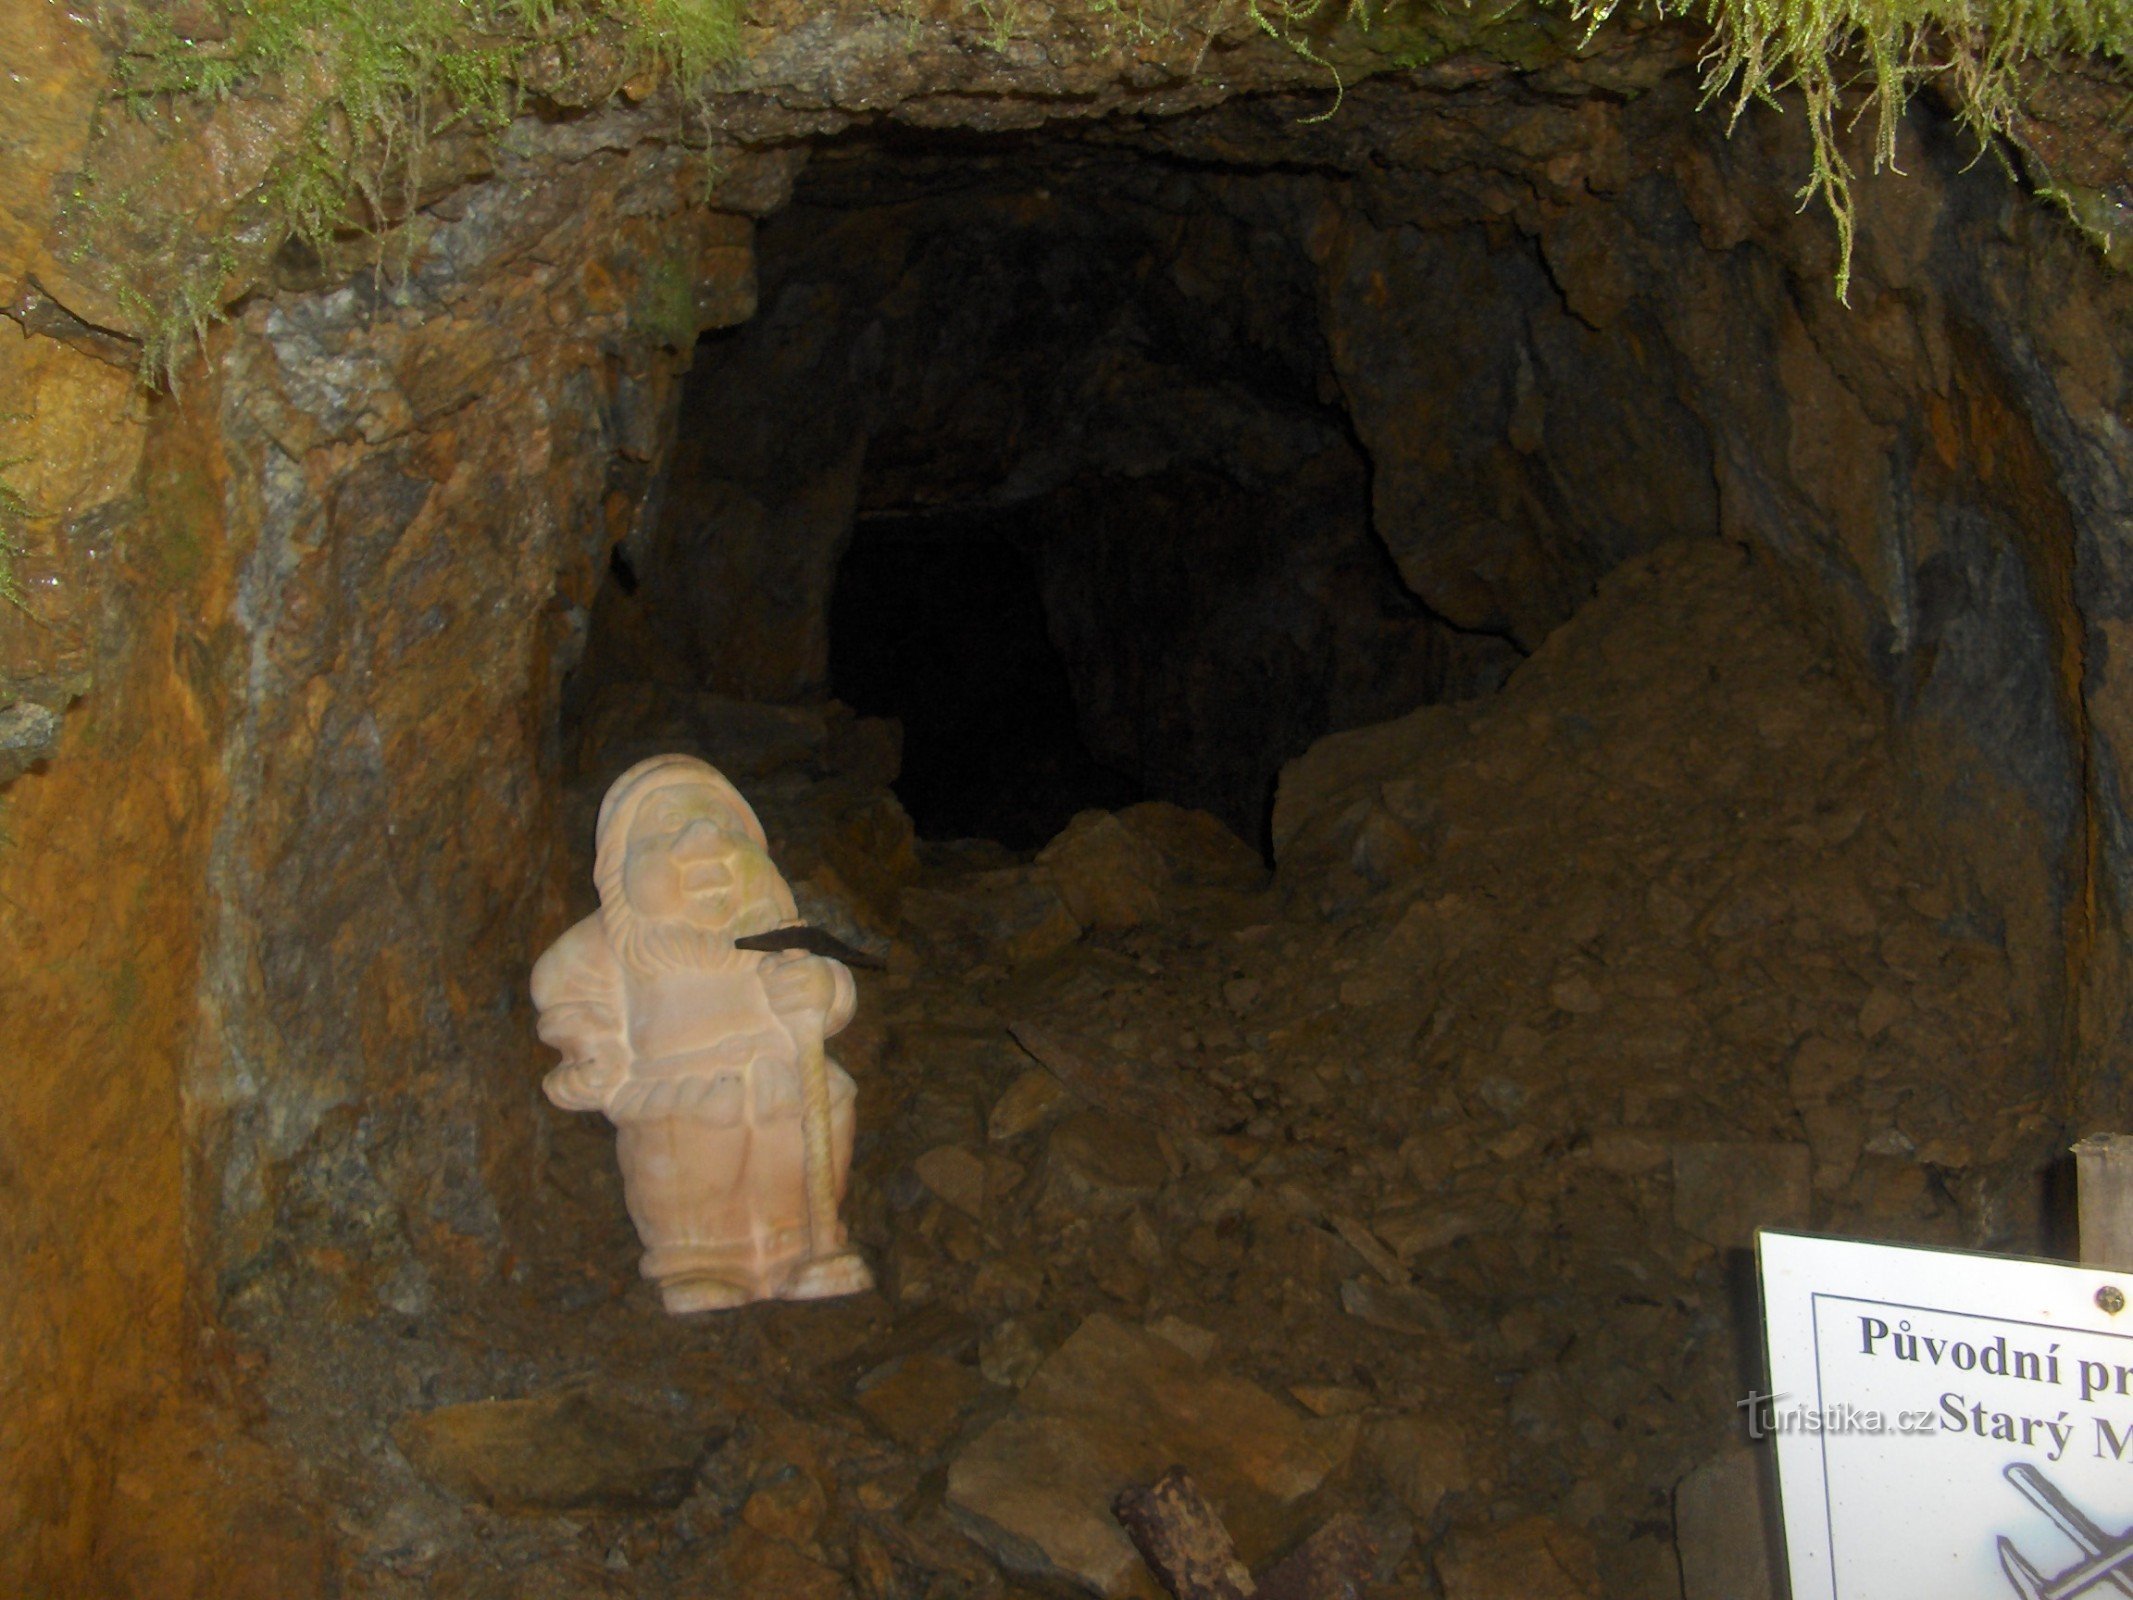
689 860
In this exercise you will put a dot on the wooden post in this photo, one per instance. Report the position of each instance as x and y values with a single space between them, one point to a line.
2103 1165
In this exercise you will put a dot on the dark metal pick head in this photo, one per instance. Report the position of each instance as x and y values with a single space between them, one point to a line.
815 942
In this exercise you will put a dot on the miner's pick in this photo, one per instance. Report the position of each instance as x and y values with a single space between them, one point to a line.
815 941
2106 1557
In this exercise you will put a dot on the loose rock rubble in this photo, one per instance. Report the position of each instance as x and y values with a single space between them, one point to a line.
1409 1181
1116 1406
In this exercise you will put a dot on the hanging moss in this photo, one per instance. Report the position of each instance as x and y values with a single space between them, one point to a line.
385 78
382 80
14 512
1847 60
1853 58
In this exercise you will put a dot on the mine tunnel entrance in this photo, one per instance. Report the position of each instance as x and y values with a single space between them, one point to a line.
1371 860
939 622
1038 448
1410 727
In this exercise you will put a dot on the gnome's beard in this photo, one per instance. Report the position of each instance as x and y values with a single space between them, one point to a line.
672 945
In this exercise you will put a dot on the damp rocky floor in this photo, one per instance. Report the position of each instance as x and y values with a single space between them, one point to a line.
1411 1178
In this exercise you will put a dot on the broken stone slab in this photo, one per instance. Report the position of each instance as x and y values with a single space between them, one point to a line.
1410 1310
1313 787
29 733
1032 1100
1011 913
1109 876
1008 1354
1366 1244
1198 849
571 1451
1420 1459
918 1399
1117 1406
1415 1231
787 1506
1102 1164
752 1563
955 1177
1183 1540
1724 1192
1103 1077
1330 1399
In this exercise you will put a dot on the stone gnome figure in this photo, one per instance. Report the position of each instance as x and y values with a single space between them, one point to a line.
733 1128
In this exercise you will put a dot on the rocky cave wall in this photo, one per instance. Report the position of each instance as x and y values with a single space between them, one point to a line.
326 594
1120 366
278 874
1063 330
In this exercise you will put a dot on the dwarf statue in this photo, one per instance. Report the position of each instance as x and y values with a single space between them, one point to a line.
733 1128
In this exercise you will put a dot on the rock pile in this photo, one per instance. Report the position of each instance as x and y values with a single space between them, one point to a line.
1411 1181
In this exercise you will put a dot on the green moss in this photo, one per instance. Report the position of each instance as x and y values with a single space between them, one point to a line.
14 511
1853 59
382 79
1846 60
183 509
10 551
378 80
664 310
1404 34
2106 222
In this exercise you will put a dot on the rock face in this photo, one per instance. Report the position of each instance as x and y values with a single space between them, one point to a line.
227 573
1308 424
1722 1518
1724 1192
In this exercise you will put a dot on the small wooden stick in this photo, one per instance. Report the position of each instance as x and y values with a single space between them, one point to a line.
819 1166
1190 1552
1182 1540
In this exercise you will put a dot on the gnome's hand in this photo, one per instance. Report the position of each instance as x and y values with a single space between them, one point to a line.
797 983
585 1084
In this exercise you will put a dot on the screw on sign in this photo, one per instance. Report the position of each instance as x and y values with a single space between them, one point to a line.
2106 1558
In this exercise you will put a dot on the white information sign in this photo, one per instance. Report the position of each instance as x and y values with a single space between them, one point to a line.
1948 1426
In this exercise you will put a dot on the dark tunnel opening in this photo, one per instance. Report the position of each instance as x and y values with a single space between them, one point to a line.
1049 516
939 622
1039 448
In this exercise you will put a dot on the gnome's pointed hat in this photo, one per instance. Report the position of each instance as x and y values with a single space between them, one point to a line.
626 797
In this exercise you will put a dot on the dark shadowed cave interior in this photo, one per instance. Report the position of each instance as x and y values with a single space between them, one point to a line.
1426 729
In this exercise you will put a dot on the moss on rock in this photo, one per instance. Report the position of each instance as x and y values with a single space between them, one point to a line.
347 102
